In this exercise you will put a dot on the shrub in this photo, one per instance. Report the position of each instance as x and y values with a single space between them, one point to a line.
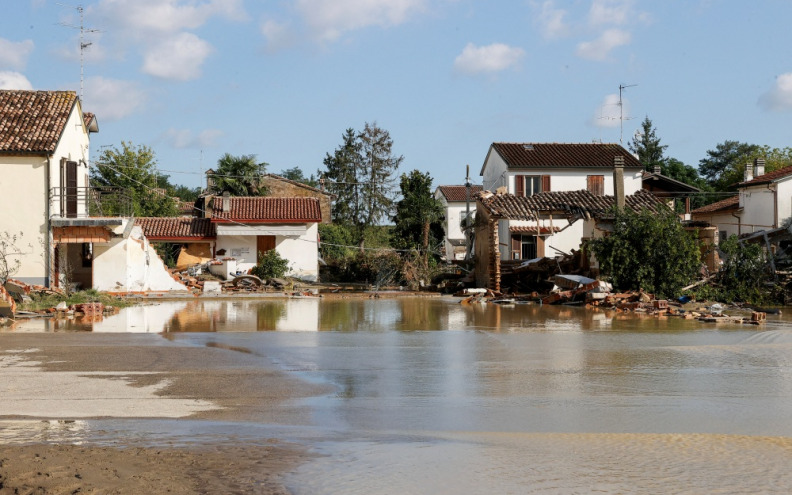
270 265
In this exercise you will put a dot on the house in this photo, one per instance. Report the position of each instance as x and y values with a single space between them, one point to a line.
455 201
44 158
526 169
541 215
763 202
668 189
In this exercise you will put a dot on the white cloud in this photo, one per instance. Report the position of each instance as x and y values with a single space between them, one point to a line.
330 19
14 80
609 113
599 48
178 57
14 54
491 58
278 35
184 138
112 99
779 97
551 20
611 12
145 17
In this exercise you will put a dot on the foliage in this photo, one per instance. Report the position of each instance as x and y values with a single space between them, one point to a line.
9 262
169 252
649 251
239 175
647 146
270 265
296 174
379 268
743 274
334 238
360 173
134 169
419 216
41 300
724 164
419 269
185 193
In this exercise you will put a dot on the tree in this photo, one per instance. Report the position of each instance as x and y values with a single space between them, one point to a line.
360 173
134 169
185 193
723 165
647 146
419 216
239 175
649 251
9 255
296 174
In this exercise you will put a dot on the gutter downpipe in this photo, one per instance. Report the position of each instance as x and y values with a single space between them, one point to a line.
48 234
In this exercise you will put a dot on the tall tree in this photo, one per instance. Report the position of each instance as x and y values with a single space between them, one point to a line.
361 173
134 170
419 216
239 175
724 166
647 146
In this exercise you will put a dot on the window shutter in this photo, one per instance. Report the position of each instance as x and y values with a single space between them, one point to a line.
596 184
516 246
519 185
545 183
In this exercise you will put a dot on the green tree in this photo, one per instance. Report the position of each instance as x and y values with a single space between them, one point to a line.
419 216
296 174
649 251
361 173
723 166
647 146
133 169
184 193
239 175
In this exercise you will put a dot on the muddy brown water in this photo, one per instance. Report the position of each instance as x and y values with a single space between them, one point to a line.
429 396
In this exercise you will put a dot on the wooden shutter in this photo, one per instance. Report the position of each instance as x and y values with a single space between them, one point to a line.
516 246
545 183
71 189
596 184
519 185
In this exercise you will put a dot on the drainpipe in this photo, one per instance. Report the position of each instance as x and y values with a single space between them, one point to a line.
48 233
739 223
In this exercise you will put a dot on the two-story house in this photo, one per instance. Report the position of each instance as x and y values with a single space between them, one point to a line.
456 200
525 169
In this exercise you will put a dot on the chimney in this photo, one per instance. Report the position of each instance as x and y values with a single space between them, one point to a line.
657 169
207 206
226 202
618 181
210 183
748 172
759 166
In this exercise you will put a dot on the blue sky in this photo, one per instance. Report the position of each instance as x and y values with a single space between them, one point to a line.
194 79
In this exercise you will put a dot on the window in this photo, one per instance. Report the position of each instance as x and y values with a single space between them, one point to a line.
528 185
596 184
524 247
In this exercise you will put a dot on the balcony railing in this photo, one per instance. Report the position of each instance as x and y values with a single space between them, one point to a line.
86 202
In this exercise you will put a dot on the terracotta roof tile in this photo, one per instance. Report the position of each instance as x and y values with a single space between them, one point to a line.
572 202
730 203
176 228
267 210
33 121
563 155
458 193
768 177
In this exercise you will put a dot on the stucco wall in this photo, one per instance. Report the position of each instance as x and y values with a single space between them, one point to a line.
576 179
758 209
494 173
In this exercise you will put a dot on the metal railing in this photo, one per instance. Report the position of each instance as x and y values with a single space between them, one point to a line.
86 202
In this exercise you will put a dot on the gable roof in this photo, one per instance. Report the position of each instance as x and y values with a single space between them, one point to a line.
155 228
33 121
730 203
561 155
267 210
583 203
667 183
459 193
769 177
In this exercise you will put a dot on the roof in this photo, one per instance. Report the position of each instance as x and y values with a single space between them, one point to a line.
176 227
33 121
294 182
730 203
562 155
267 210
458 193
582 203
667 183
90 122
769 177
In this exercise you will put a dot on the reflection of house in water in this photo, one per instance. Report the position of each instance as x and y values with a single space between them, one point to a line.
246 316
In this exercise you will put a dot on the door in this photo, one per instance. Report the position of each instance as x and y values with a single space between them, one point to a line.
264 243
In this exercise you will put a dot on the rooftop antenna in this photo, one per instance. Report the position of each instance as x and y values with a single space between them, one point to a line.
622 87
83 44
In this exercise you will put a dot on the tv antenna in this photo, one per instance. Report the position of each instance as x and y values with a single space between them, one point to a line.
622 87
83 44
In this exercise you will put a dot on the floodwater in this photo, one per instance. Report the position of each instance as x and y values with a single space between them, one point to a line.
434 397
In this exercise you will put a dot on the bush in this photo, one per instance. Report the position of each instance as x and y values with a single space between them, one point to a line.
270 265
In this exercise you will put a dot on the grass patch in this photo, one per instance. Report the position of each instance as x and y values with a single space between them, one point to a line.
41 300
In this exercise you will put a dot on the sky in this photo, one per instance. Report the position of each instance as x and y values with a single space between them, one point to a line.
194 79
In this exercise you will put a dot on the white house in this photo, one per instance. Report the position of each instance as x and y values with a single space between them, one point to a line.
455 204
525 169
44 159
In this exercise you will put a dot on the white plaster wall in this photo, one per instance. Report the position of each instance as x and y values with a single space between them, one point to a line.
74 145
758 209
241 247
784 201
576 179
724 222
24 203
494 173
302 253
566 241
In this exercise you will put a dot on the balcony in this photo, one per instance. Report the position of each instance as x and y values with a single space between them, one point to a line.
89 202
